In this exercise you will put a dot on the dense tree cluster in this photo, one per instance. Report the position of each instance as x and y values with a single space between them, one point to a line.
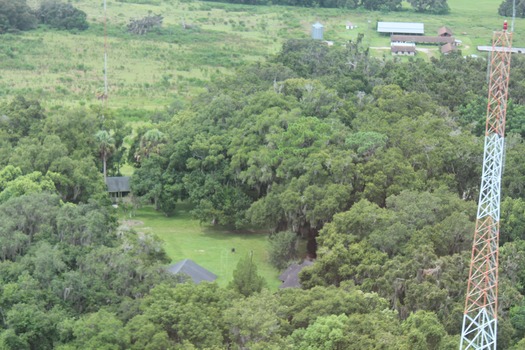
16 15
62 15
376 163
389 5
61 255
430 6
438 7
61 149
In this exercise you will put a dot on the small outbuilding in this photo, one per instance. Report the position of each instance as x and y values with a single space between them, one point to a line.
406 28
118 187
193 270
350 25
317 31
290 276
447 48
444 31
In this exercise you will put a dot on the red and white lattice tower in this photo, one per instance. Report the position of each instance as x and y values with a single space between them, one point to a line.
481 306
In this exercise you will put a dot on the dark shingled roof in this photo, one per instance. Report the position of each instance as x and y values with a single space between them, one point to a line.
290 276
118 184
196 272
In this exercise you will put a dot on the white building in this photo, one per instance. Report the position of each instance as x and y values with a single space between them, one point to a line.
407 28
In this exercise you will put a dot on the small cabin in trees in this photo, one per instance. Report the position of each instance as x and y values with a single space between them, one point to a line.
118 187
192 270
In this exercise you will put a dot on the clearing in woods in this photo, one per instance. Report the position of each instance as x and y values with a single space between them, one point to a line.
186 238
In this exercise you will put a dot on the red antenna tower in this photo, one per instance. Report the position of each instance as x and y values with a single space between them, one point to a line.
481 306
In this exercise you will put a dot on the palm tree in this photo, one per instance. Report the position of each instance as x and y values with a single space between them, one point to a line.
150 143
106 146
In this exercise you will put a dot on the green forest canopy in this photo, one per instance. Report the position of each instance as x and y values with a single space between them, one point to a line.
375 163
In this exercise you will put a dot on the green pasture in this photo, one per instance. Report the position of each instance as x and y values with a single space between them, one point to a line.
211 247
148 72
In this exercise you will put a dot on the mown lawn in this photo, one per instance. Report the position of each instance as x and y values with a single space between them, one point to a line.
208 246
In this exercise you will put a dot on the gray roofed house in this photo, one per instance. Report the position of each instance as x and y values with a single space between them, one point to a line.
196 272
401 28
290 276
118 186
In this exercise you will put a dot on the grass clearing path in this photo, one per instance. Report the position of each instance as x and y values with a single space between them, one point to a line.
208 246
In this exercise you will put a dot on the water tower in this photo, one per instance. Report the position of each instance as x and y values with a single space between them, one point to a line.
317 31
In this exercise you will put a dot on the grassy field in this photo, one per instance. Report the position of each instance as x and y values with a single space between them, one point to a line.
148 72
207 246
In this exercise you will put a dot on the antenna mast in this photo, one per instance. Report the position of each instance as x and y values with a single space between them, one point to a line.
481 306
105 55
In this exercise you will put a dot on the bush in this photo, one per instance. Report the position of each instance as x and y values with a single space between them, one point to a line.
283 248
62 16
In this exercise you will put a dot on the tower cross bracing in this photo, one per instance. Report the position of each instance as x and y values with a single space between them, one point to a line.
480 317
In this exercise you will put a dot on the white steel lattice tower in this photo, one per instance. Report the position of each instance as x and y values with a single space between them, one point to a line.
481 306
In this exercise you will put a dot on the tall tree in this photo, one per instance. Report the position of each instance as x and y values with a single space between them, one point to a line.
106 146
21 116
99 330
255 322
150 143
189 313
